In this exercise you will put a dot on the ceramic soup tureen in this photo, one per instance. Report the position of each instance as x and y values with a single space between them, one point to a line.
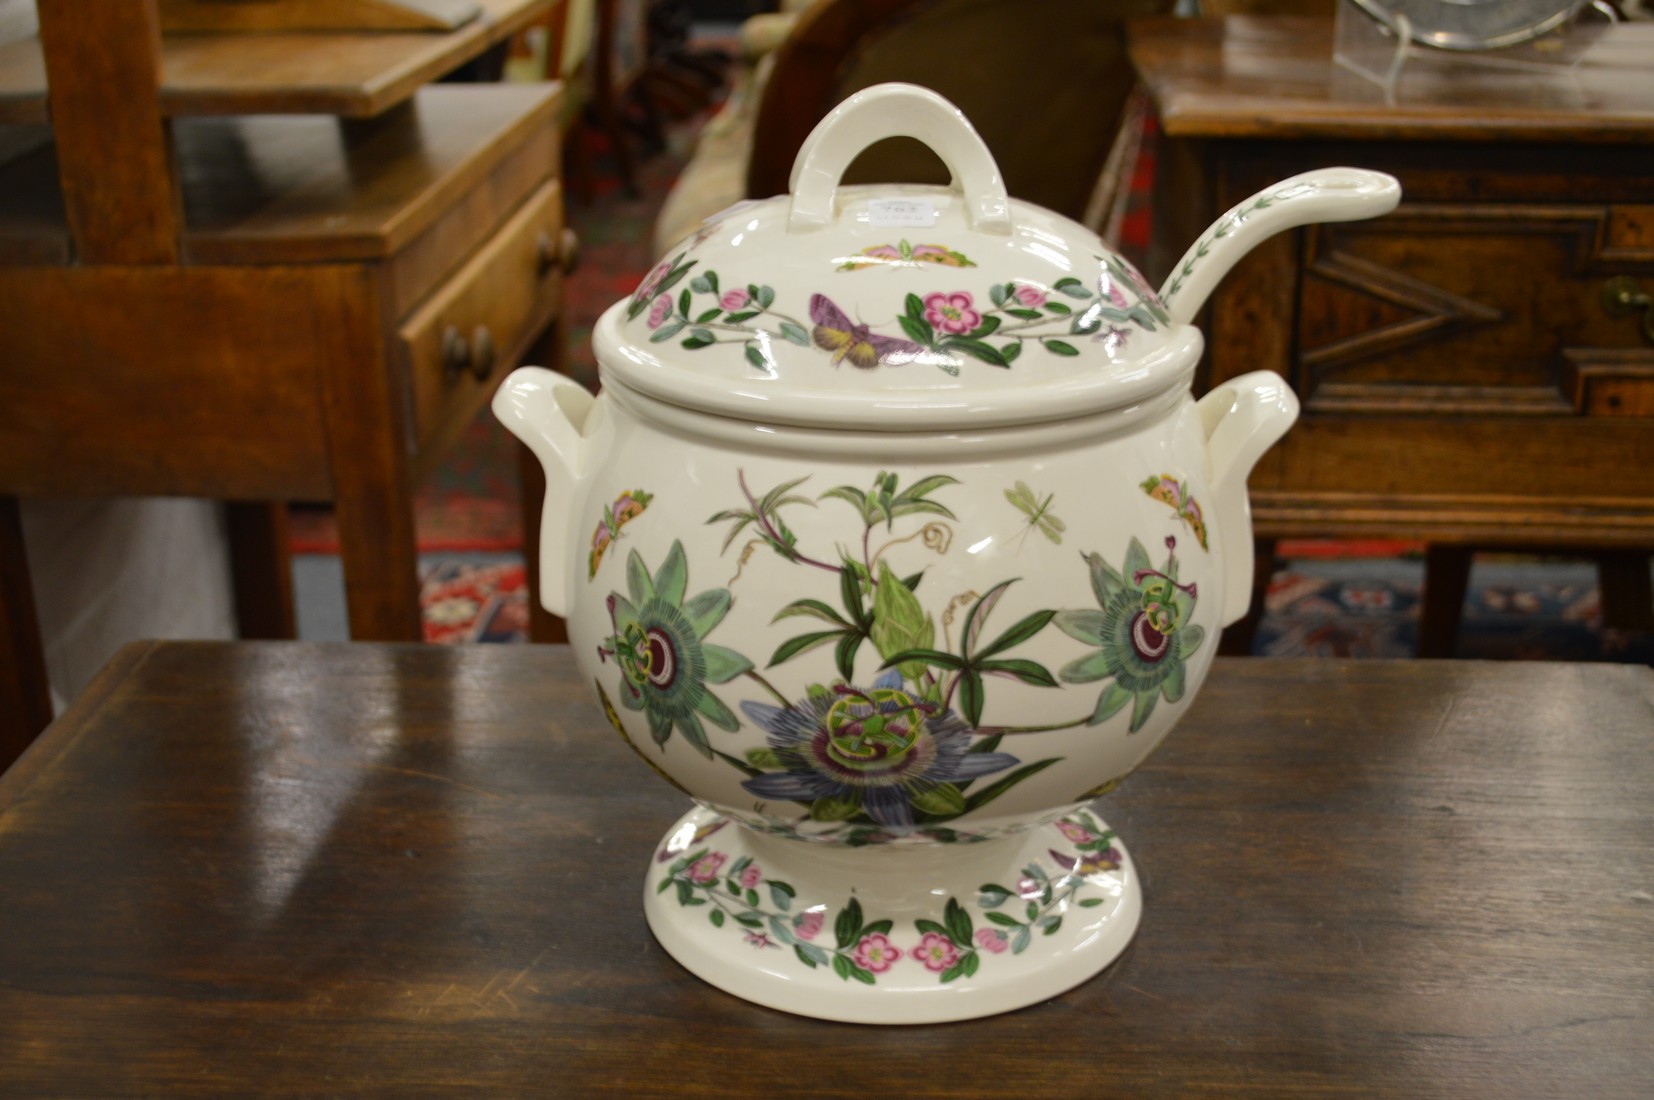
894 539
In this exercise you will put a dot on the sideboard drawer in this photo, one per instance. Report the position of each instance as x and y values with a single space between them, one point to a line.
459 341
1465 309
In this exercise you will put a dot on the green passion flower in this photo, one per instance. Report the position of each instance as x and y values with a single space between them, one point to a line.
665 661
1143 635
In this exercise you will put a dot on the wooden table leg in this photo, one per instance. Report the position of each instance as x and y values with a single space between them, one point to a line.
1446 579
25 695
1627 590
261 569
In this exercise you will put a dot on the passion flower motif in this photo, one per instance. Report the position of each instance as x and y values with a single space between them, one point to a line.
1143 634
878 751
665 661
952 313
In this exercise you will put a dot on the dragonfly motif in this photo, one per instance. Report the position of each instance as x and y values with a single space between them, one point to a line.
1040 516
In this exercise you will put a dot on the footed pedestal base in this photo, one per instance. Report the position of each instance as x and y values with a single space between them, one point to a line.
893 934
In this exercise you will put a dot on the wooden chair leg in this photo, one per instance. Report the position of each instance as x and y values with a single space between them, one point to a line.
1446 579
1627 591
25 694
261 568
1237 639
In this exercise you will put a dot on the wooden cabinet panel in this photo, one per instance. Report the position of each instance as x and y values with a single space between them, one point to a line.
484 316
1453 309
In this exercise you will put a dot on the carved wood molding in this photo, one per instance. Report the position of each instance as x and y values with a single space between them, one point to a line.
1437 310
1482 521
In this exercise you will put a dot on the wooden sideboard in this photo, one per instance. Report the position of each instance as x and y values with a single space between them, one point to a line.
260 268
1462 381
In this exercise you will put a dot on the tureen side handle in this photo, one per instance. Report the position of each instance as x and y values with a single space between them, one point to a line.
548 411
891 110
1324 195
1243 418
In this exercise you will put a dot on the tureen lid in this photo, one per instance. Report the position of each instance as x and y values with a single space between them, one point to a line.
896 306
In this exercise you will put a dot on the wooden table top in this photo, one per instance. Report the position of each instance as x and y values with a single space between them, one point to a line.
1275 77
357 74
289 869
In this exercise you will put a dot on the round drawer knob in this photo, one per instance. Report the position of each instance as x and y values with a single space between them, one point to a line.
561 251
482 353
456 352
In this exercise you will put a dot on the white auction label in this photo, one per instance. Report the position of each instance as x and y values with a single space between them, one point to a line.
901 213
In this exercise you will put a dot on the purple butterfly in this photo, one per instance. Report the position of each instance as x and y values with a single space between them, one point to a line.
865 349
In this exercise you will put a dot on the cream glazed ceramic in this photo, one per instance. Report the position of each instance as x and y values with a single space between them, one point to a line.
894 539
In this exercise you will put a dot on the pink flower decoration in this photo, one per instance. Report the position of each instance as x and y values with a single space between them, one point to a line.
751 876
876 953
759 939
808 924
1029 297
936 951
705 869
991 939
1079 834
952 313
646 289
883 252
660 311
734 299
1028 888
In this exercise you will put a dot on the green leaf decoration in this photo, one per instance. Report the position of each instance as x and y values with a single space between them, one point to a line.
683 302
942 800
716 917
900 622
1060 347
842 967
1020 941
930 926
834 809
958 923
844 658
976 349
795 334
970 963
1025 314
814 609
929 656
1050 925
765 296
763 758
1024 629
701 284
803 955
781 896
674 277
862 976
1058 308
791 648
699 338
918 330
1071 287
668 330
994 790
1009 352
998 293
1091 903
971 696
1086 323
712 281
915 307
986 328
755 356
749 920
752 898
957 970
991 896
847 928
707 315
1004 920
685 891
742 317
878 928
1029 672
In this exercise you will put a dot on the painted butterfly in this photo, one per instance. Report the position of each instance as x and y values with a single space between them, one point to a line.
1169 490
864 348
627 507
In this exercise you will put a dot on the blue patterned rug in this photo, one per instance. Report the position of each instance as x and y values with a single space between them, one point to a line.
1526 610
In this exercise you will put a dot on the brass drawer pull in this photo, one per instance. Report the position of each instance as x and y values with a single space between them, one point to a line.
1622 296
460 355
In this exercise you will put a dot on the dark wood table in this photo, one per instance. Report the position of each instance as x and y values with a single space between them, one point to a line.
285 869
1463 382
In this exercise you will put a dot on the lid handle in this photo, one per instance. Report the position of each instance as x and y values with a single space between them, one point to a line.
896 110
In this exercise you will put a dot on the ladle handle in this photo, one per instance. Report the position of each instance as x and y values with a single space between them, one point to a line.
896 110
1324 195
